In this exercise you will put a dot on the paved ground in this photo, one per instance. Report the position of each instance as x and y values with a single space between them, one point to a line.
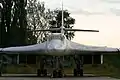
33 77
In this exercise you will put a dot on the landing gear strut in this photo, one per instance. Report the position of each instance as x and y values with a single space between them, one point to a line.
78 71
58 72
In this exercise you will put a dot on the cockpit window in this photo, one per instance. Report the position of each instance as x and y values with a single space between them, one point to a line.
56 37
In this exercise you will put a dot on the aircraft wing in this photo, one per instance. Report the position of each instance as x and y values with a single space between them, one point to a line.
37 48
71 47
79 48
0 49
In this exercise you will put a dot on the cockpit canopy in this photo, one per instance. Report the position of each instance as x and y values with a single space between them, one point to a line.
56 36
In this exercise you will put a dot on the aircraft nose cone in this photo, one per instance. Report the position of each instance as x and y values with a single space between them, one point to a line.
56 45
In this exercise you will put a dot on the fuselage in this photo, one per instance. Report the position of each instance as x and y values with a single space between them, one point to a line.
57 44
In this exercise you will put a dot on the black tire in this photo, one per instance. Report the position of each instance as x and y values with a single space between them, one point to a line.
81 72
78 71
38 72
0 73
54 73
45 72
60 74
75 72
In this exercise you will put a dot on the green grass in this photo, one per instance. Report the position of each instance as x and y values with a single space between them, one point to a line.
17 69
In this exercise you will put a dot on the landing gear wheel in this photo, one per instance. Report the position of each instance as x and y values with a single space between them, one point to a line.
54 73
60 74
45 72
81 72
75 72
0 73
38 72
78 72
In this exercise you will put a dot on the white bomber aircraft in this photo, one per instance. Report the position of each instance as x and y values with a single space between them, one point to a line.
58 45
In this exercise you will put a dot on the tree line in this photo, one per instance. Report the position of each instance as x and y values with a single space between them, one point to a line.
19 16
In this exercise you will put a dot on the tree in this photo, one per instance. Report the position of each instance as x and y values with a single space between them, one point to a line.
2 27
68 21
37 18
13 22
40 18
5 21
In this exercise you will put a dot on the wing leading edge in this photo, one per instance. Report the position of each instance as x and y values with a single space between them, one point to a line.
1 49
25 49
72 47
91 49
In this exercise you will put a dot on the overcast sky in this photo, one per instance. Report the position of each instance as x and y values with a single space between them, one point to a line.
103 15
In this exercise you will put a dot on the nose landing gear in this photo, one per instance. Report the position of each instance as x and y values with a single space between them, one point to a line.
58 72
78 72
42 72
